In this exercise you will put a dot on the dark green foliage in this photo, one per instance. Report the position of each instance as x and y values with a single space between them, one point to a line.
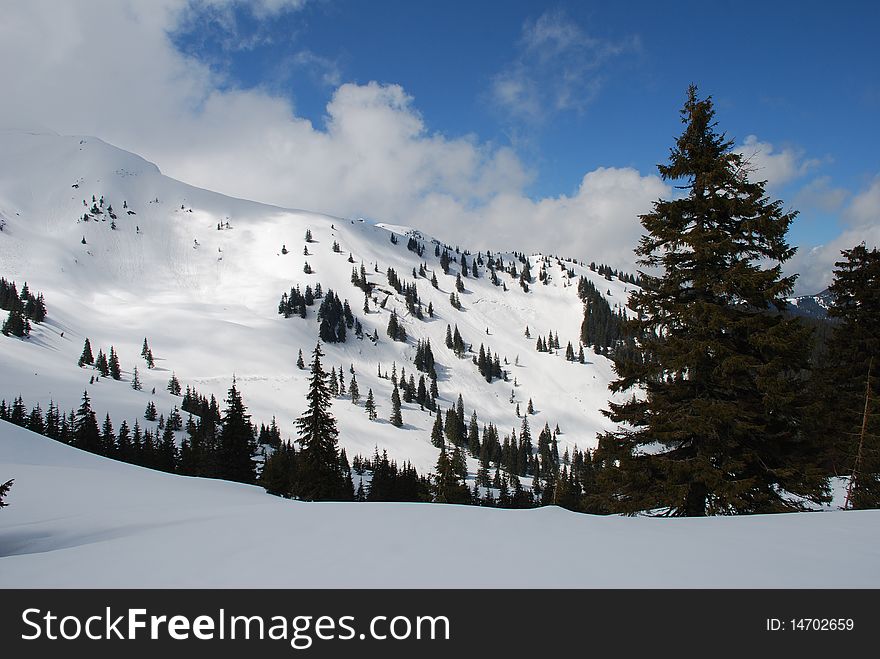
396 419
449 477
4 490
86 357
173 385
847 386
113 365
236 444
22 307
279 471
319 476
86 434
424 359
392 483
333 317
370 406
101 364
722 412
395 329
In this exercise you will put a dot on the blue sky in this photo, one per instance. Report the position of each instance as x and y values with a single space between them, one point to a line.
492 124
801 76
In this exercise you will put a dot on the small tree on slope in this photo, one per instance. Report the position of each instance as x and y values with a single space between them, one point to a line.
319 476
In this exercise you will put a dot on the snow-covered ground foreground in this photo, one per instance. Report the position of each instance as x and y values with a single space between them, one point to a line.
79 520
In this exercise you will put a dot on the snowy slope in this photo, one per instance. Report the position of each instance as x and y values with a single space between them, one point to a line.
80 520
207 300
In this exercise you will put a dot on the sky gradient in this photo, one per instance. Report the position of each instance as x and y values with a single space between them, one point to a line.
481 122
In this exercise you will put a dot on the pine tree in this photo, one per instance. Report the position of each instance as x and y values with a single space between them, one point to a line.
370 406
319 476
300 364
135 380
173 386
145 349
718 368
396 418
86 357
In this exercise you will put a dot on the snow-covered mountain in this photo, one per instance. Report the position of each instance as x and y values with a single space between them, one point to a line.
812 306
200 275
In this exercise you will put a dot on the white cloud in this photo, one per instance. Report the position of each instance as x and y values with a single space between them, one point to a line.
862 218
821 195
109 68
558 68
776 167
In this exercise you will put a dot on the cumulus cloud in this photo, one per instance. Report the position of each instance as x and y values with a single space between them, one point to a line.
110 68
558 67
862 224
821 195
777 167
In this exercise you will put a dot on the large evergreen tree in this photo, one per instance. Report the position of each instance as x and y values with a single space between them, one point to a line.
319 476
718 427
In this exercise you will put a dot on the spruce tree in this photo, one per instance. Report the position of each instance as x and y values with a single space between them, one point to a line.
718 368
300 364
319 477
236 444
135 380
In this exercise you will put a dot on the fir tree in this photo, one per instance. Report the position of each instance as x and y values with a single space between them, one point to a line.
173 385
719 369
4 490
319 475
396 418
370 406
353 390
101 364
86 434
300 364
86 357
135 380
113 364
236 444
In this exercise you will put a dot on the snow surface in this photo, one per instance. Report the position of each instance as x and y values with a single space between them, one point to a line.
80 520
